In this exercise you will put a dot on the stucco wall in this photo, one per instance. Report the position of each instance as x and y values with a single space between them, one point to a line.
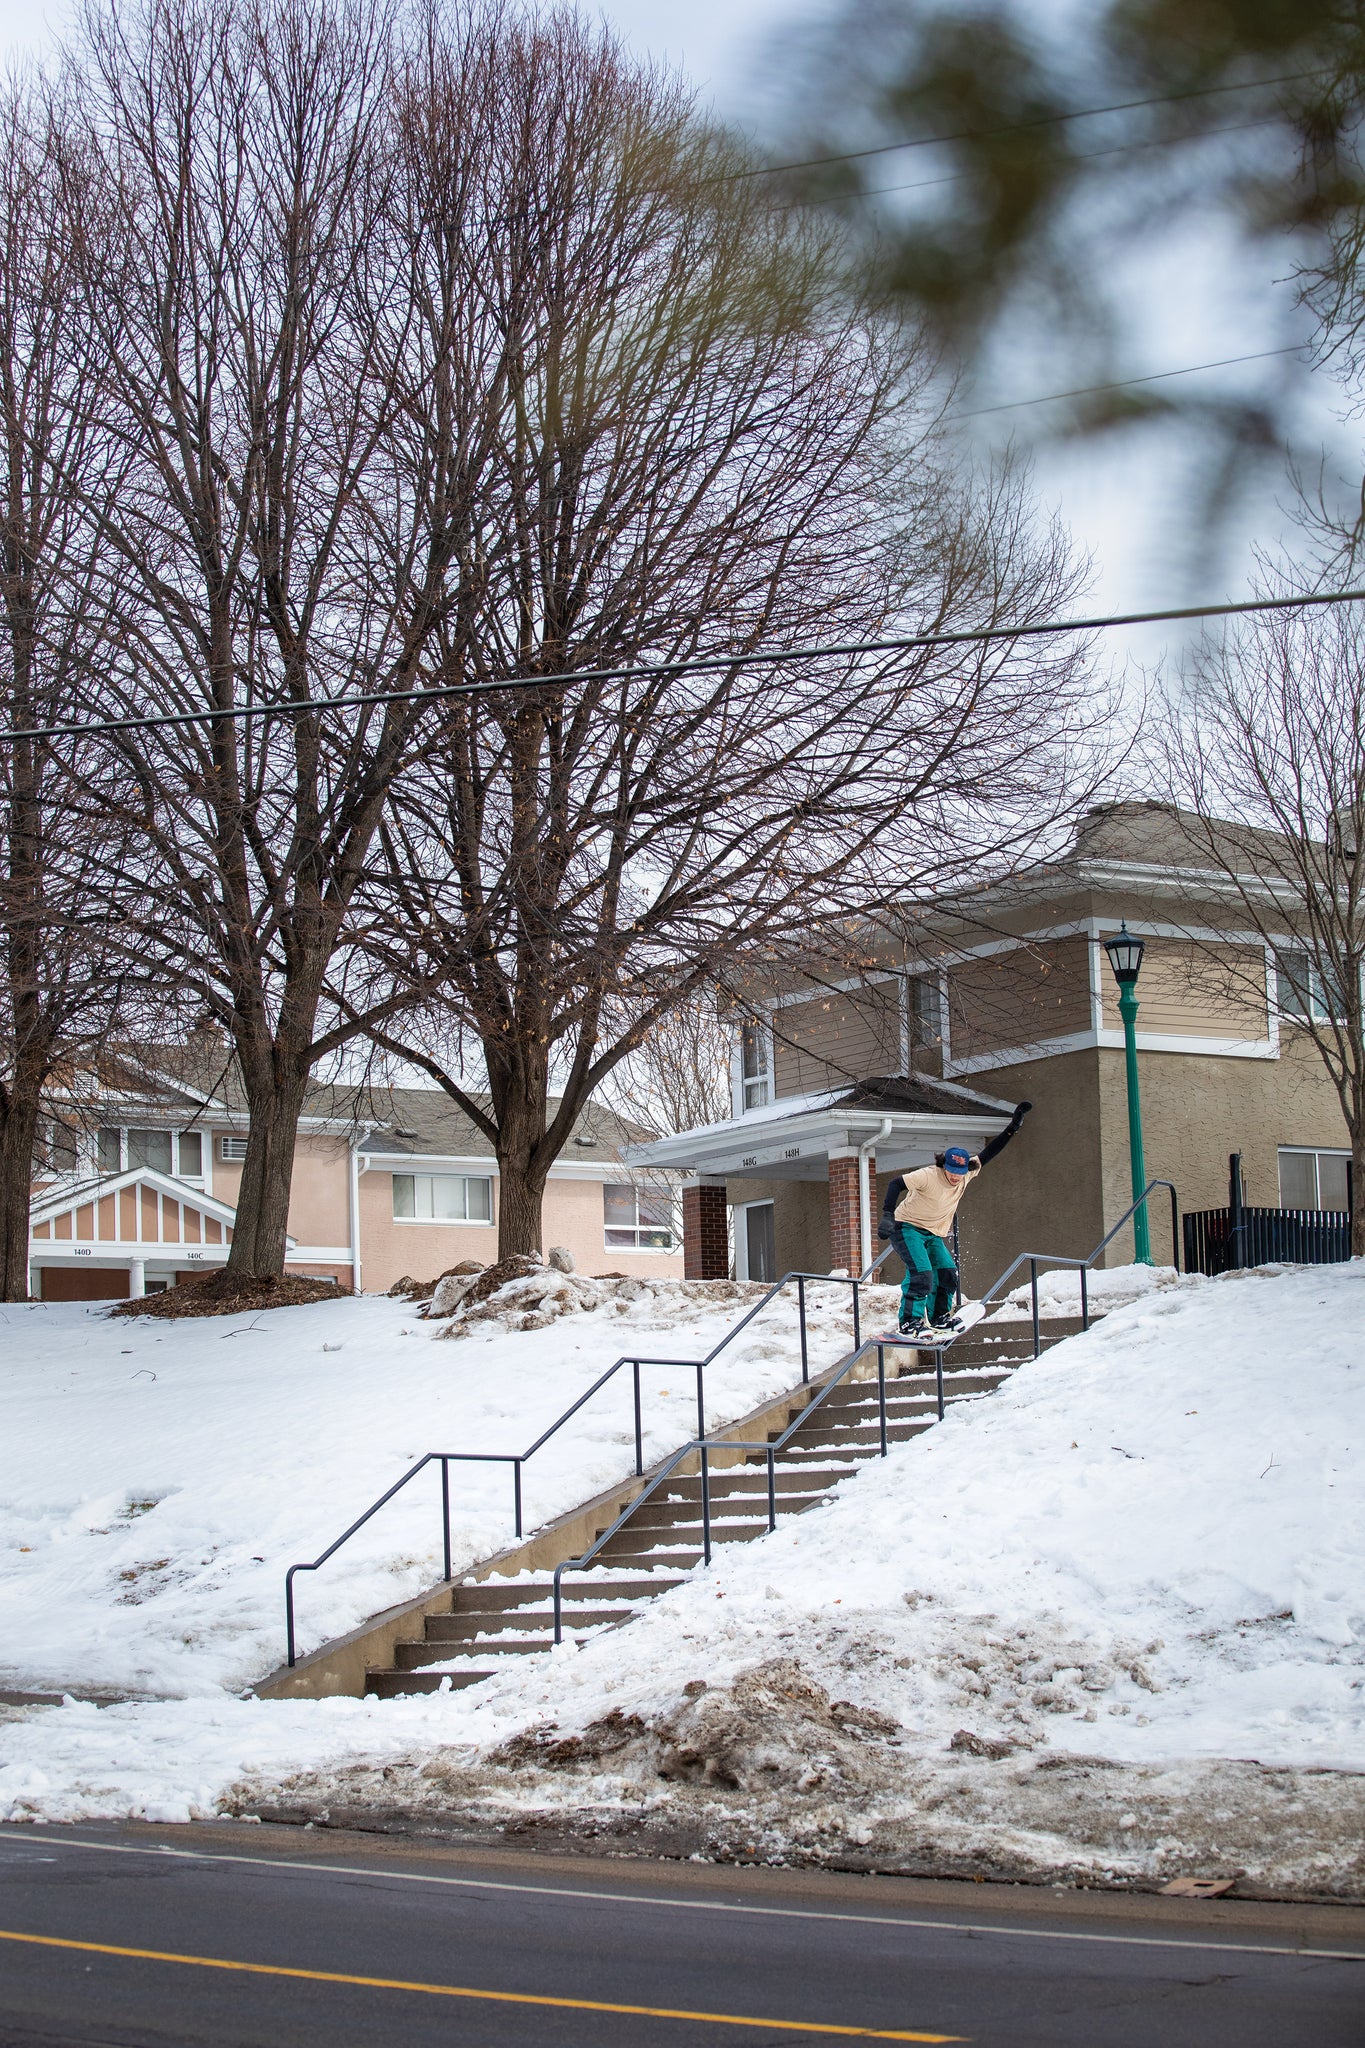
573 1217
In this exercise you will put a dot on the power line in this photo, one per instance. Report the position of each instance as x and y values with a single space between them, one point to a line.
849 156
1260 355
700 665
1081 156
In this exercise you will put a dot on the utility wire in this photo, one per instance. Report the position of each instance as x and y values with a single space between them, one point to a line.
849 156
1260 355
702 664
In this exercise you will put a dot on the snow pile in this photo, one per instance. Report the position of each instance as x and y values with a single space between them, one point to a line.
156 1479
1108 1620
539 1296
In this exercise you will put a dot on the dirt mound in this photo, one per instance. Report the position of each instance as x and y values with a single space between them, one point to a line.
231 1294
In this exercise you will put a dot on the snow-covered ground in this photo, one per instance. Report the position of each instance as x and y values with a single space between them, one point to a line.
157 1478
1131 1585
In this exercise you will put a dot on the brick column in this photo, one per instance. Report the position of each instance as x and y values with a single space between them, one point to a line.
706 1230
845 1227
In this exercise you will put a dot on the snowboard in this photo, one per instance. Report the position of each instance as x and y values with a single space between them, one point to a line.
969 1313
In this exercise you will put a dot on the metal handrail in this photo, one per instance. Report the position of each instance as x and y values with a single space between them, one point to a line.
702 1446
516 1459
1035 1259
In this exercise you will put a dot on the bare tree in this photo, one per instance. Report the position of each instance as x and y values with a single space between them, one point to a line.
60 978
1266 762
697 448
679 1075
242 269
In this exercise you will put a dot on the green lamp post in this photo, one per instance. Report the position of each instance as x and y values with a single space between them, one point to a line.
1125 957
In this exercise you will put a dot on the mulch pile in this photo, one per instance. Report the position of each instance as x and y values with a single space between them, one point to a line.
231 1294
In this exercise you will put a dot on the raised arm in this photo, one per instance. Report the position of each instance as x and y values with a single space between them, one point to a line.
999 1142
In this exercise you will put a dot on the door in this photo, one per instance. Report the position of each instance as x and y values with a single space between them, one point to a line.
760 1256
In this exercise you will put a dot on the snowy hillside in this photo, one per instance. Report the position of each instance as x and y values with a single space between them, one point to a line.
1148 1550
157 1478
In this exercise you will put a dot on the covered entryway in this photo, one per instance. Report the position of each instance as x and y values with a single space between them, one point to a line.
800 1173
124 1235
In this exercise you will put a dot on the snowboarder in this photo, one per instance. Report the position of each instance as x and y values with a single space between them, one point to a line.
917 1216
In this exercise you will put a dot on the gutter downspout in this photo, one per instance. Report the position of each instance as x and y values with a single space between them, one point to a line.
865 1151
353 1202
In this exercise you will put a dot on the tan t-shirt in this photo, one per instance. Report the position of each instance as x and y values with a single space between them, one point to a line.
931 1197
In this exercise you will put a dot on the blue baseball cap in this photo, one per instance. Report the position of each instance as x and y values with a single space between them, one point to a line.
956 1160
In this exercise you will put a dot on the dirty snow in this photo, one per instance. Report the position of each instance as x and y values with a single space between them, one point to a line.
1109 1620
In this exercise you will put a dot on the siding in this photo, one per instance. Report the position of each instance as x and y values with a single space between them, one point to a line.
1014 1000
1188 991
837 1038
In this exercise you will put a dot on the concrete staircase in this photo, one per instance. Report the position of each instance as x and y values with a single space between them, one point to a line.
496 1618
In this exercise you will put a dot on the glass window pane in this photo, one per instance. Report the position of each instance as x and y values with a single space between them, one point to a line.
620 1240
1298 1181
151 1149
109 1151
403 1203
1332 1180
758 1231
656 1208
62 1155
656 1240
1292 984
191 1154
618 1204
421 1187
479 1201
447 1197
926 1026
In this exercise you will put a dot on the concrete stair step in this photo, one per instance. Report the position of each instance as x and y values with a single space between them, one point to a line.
525 1643
391 1685
487 1597
673 1559
455 1628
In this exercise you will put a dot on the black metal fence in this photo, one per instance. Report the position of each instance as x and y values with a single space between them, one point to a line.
1221 1240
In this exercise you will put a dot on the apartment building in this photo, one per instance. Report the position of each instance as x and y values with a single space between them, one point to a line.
137 1186
1007 996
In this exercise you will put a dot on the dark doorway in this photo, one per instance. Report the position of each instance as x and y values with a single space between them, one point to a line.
760 1247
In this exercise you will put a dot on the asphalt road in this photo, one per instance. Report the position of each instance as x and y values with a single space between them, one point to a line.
280 1938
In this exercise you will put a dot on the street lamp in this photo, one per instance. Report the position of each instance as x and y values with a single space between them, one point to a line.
1125 957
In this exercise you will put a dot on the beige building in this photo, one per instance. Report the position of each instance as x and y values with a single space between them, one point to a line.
137 1189
1008 997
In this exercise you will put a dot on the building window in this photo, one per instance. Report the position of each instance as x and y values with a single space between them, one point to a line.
442 1198
1314 1180
231 1147
122 1151
925 1003
1300 992
637 1219
57 1149
755 1065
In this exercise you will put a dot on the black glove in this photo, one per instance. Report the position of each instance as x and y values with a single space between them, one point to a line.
1021 1111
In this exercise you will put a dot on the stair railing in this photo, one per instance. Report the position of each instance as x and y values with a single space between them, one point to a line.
1033 1260
516 1459
703 1446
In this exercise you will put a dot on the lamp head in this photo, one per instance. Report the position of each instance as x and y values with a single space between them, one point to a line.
1125 956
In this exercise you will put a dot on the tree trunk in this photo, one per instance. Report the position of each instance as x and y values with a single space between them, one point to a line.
523 1163
1358 1189
17 1133
275 1091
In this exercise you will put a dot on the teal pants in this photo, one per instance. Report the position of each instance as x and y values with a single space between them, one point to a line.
929 1269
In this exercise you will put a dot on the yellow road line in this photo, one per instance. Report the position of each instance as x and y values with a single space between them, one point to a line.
650 2012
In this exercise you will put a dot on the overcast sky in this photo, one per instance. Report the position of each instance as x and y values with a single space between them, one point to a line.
1122 496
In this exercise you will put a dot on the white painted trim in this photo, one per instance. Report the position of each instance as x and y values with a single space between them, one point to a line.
1147 1041
483 1167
